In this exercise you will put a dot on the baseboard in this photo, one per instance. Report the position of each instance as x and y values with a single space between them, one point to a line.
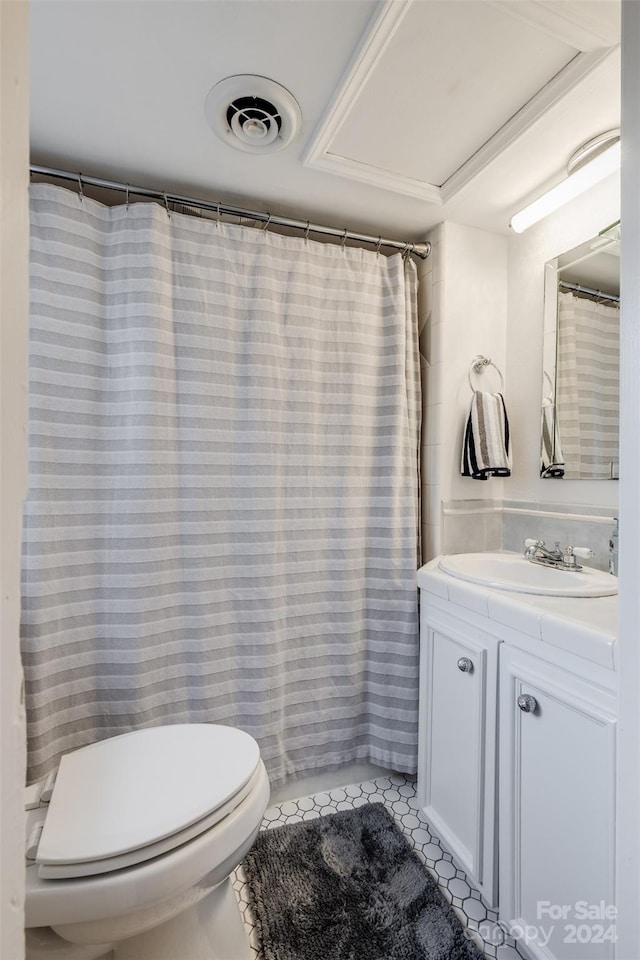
327 780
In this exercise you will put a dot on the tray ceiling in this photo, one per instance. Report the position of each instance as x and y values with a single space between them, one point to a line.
478 66
489 71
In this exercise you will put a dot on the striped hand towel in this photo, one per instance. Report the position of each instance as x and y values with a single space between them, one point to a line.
551 456
485 450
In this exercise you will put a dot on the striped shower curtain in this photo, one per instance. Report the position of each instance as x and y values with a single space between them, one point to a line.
588 386
221 523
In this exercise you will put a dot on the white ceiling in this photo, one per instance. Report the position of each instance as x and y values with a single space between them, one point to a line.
413 112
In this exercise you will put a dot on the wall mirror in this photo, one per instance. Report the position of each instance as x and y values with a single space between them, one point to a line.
581 358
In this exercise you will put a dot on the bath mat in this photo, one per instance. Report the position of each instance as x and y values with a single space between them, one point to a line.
348 886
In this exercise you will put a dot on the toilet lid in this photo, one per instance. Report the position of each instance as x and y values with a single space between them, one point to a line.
127 792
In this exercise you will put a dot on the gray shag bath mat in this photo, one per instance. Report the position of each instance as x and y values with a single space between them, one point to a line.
348 886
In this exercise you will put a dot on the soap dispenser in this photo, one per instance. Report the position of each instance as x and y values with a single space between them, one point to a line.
613 549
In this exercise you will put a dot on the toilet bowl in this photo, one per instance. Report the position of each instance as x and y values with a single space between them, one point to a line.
138 829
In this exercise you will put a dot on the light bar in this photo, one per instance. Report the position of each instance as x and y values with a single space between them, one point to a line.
576 183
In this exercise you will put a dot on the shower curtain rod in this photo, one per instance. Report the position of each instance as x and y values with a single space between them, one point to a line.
589 291
421 250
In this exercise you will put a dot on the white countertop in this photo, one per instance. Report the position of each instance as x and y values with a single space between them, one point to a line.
583 626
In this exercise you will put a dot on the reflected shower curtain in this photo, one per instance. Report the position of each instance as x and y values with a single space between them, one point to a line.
222 515
588 386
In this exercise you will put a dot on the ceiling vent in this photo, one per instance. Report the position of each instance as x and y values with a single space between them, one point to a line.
253 114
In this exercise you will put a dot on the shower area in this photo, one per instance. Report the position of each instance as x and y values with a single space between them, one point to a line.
222 522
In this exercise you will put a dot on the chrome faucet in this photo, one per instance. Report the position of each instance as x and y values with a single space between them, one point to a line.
536 552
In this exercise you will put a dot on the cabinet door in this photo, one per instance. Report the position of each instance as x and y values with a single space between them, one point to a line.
557 808
457 743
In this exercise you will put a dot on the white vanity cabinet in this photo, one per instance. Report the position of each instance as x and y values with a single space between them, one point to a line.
456 782
557 808
516 765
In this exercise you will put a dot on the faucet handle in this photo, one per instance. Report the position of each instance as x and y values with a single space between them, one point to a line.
584 552
570 554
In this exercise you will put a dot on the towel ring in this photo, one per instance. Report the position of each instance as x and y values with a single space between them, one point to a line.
478 365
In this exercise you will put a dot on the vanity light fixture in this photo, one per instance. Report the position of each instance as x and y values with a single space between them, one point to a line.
592 162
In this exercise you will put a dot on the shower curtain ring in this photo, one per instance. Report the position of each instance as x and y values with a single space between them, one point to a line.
378 245
126 198
166 203
405 251
306 233
344 238
267 222
80 190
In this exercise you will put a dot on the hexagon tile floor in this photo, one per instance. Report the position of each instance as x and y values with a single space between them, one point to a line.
398 793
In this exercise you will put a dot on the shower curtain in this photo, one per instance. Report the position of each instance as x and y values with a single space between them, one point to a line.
588 386
221 523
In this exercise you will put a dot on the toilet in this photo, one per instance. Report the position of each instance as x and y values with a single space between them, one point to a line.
132 848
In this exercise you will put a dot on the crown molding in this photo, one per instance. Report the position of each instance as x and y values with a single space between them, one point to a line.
563 22
378 177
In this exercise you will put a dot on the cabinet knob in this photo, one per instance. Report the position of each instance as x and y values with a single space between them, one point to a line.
527 703
465 665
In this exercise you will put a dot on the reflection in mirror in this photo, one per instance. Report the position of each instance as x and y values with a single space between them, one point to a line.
581 382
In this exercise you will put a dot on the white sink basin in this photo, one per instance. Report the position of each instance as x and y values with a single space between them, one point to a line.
511 571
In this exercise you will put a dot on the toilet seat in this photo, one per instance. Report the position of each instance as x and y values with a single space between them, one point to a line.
66 871
100 905
119 802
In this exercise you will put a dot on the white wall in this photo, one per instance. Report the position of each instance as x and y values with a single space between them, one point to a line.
467 316
528 252
14 179
628 819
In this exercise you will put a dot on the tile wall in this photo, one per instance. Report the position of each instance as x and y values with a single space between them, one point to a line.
575 525
463 313
430 327
470 526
